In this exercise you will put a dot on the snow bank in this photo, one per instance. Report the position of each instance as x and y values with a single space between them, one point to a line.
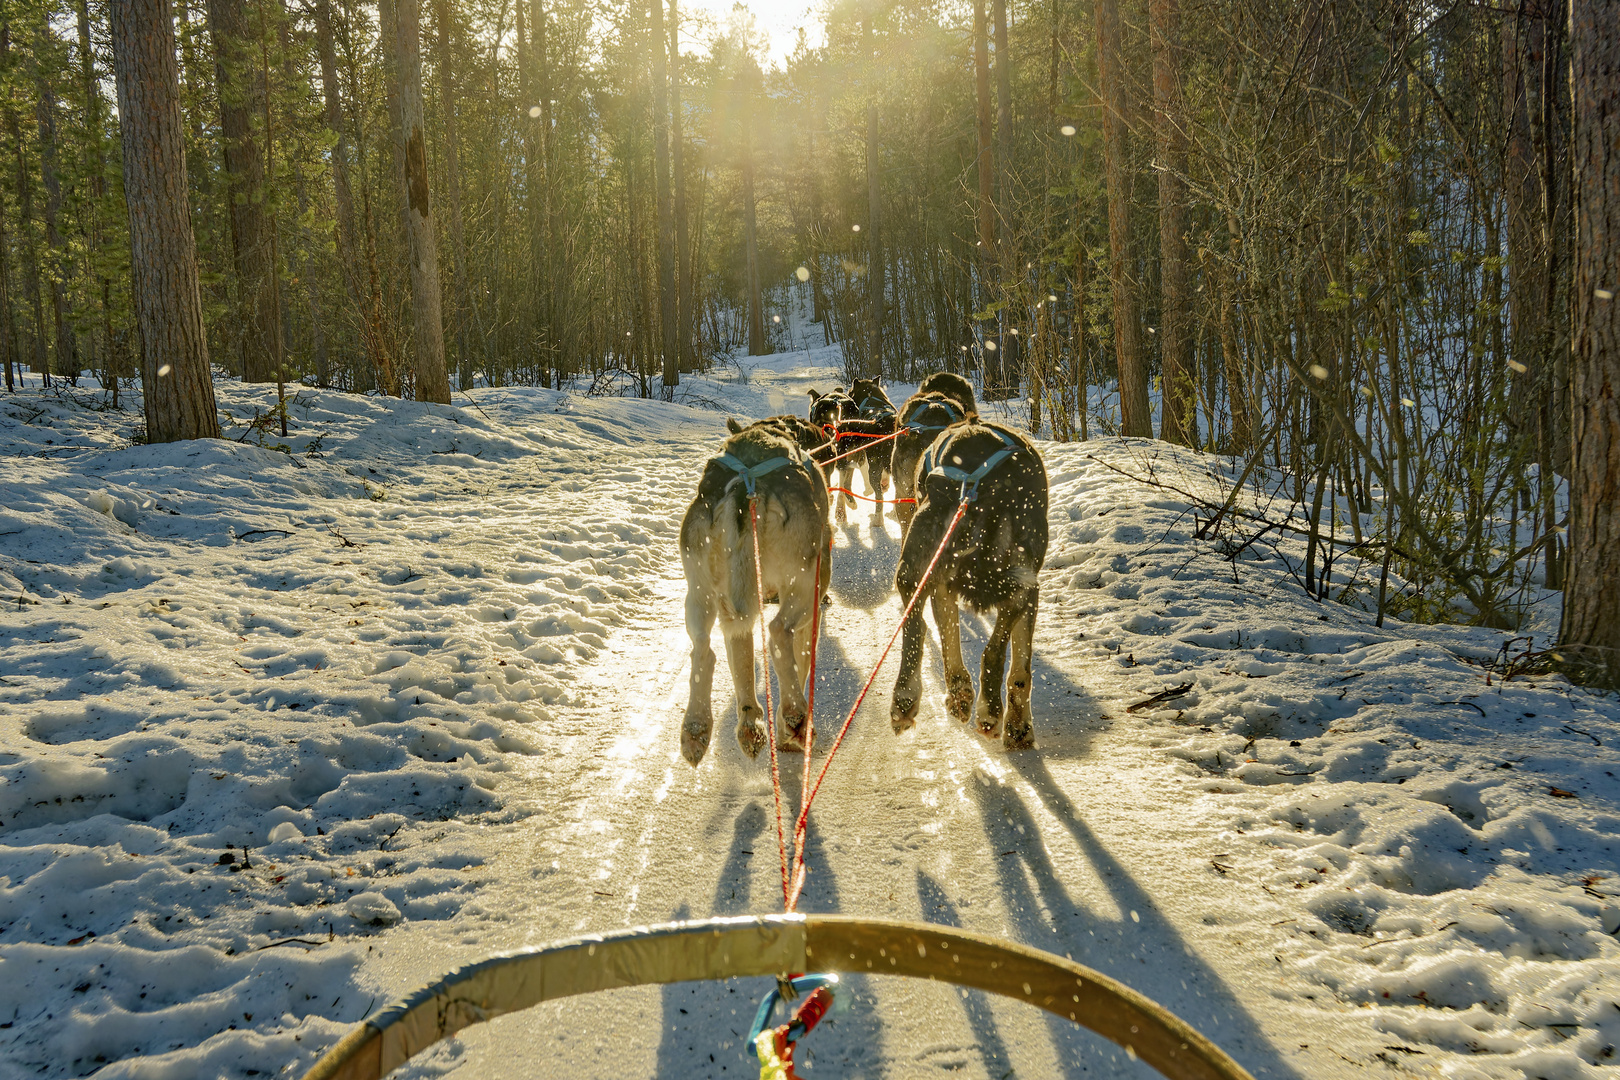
1431 843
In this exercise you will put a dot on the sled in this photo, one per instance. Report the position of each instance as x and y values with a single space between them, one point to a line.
724 948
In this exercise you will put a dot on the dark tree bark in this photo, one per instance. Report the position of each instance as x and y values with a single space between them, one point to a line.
66 362
1179 417
667 308
464 311
876 301
1591 619
178 384
987 204
685 316
1134 412
432 378
241 101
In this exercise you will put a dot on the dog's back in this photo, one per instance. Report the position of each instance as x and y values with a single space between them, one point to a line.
953 386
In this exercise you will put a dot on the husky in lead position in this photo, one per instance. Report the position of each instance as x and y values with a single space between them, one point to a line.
991 561
717 552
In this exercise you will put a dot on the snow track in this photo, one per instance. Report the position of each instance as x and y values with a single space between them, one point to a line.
1334 849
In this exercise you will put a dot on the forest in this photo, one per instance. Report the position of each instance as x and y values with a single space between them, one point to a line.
1333 238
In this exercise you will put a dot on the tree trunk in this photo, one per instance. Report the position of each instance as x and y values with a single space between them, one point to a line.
876 302
1179 416
241 99
987 206
67 348
668 313
364 294
178 385
685 320
1003 140
432 379
93 105
1591 621
1134 412
758 343
465 310
981 81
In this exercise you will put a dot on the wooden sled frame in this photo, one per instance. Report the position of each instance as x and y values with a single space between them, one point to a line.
714 949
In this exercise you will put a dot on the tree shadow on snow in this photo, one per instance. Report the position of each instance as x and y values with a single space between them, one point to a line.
1046 916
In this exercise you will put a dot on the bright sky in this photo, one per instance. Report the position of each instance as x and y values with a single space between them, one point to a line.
777 21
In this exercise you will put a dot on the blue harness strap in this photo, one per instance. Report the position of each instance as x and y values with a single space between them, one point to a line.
747 474
877 406
956 414
970 480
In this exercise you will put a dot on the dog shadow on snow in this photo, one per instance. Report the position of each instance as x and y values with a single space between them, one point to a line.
1146 950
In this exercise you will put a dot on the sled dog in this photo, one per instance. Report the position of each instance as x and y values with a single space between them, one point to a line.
992 561
717 553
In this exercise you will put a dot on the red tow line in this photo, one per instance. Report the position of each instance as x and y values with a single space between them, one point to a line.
779 1042
793 878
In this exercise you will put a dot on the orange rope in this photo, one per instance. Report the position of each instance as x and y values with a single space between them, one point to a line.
770 715
801 826
868 498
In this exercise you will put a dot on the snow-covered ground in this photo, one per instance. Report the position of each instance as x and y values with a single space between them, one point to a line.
284 735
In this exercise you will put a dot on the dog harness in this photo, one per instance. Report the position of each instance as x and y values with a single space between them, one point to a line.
747 474
956 414
970 480
876 406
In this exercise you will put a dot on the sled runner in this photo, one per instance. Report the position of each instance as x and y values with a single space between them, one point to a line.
713 949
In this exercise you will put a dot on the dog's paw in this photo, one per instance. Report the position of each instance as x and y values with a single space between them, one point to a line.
695 738
751 736
903 714
987 718
959 696
1019 736
791 736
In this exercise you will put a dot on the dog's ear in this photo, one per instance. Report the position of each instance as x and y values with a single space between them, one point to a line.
733 425
815 395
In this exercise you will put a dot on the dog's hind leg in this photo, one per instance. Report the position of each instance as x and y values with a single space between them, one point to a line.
699 723
790 637
876 483
908 684
846 473
991 704
958 683
1020 732
740 657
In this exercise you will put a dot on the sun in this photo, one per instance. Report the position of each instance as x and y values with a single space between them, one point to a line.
776 21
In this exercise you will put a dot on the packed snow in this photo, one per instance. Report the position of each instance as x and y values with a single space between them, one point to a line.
290 726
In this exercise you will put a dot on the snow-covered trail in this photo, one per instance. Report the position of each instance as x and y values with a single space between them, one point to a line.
284 735
1064 848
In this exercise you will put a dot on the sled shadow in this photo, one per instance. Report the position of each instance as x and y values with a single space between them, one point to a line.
705 1024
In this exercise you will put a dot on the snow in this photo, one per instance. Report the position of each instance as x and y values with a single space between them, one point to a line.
287 730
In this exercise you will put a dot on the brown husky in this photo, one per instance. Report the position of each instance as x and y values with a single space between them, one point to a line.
992 561
717 552
944 399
